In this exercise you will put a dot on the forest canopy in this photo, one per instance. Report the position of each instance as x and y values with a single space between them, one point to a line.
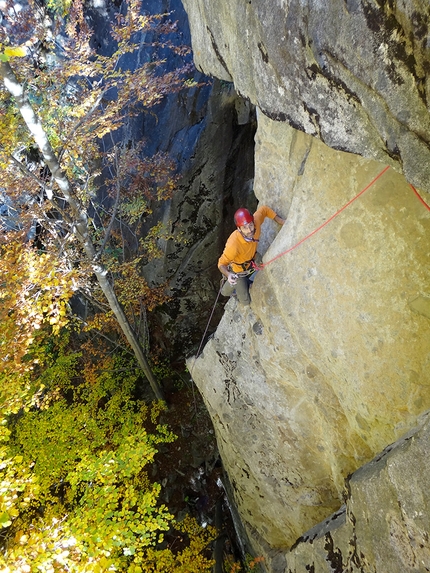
73 184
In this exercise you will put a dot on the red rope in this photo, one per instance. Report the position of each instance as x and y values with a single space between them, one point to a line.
328 220
419 197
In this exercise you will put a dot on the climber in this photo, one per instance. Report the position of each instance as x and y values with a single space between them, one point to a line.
237 263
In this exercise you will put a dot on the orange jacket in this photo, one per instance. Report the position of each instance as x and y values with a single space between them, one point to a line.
237 251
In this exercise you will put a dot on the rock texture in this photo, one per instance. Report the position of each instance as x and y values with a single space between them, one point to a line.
353 73
331 362
385 523
208 131
213 140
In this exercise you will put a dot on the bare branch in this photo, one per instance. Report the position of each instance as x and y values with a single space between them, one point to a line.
114 211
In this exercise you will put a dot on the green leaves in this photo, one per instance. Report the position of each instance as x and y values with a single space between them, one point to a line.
5 520
117 512
75 494
18 486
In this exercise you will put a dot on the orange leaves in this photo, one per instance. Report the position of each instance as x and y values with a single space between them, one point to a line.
133 290
142 179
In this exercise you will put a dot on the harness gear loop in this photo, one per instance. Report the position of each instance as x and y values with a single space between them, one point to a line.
247 273
245 265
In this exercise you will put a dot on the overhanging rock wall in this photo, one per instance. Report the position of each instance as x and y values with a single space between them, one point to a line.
353 73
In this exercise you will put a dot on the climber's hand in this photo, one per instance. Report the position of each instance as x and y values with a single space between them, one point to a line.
232 278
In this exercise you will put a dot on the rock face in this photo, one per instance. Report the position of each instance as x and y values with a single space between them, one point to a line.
353 73
213 139
385 522
331 361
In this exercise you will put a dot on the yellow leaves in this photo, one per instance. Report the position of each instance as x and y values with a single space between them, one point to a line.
133 291
60 6
34 290
114 519
157 409
117 516
18 487
133 209
12 52
190 559
17 52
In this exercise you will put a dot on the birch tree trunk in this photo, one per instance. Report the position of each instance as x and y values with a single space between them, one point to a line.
79 217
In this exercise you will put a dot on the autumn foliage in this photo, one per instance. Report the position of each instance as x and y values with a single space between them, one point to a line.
73 178
76 440
75 490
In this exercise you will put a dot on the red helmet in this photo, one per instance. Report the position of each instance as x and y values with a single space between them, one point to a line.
242 217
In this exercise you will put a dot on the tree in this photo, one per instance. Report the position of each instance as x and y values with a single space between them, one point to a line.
75 491
34 292
69 102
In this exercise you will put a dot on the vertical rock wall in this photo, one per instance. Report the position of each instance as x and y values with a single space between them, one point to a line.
331 361
216 177
208 131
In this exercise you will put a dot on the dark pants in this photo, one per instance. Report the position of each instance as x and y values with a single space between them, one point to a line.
241 288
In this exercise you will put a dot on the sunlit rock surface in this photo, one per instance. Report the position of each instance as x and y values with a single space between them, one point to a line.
355 74
331 362
385 522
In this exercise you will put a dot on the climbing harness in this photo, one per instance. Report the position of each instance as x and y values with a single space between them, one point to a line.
246 266
250 271
256 267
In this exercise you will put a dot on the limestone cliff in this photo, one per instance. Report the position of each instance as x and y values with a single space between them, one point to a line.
354 73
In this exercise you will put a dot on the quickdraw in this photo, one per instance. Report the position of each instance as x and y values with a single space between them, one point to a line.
256 267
